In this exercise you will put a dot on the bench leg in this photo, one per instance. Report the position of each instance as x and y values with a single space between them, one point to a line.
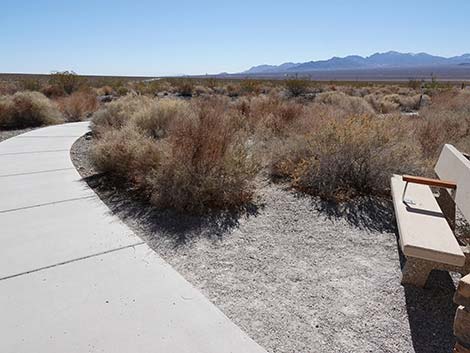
416 272
466 268
447 205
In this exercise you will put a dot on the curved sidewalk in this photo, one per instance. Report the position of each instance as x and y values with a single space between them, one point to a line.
74 278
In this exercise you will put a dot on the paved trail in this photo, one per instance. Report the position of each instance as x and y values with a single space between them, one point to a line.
74 278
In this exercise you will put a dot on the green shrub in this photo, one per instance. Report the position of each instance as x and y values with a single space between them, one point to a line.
31 84
248 86
66 81
296 87
184 87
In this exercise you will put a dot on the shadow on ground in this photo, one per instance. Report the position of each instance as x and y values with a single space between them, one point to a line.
431 312
178 227
368 213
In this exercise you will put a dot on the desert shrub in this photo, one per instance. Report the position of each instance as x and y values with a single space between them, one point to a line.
232 90
348 104
186 156
27 109
248 86
31 84
184 87
446 120
122 90
105 91
401 102
7 87
212 83
153 87
296 87
201 90
414 84
78 105
346 158
204 153
207 164
66 81
52 91
281 117
268 116
154 117
117 113
126 154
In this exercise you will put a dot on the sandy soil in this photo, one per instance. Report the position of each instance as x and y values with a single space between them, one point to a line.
297 274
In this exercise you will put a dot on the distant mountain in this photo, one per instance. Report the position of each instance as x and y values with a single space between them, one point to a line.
391 59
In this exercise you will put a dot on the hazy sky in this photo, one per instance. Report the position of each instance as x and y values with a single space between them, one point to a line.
196 37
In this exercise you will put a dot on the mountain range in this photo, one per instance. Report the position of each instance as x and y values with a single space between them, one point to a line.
388 60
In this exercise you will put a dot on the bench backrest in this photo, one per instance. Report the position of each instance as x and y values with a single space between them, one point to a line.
454 166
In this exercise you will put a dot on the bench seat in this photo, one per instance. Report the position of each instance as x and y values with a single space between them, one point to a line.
423 229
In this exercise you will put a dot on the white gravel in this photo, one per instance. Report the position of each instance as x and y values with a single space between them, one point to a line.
297 274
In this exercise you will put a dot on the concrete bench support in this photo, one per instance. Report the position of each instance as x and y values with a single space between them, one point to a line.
462 316
426 224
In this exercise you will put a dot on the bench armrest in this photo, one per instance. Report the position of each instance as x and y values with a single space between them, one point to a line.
431 182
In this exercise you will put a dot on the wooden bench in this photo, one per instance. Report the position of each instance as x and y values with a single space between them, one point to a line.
426 223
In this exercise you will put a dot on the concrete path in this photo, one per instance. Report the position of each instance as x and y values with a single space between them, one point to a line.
74 278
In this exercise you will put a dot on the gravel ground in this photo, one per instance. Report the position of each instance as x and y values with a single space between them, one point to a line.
6 134
297 274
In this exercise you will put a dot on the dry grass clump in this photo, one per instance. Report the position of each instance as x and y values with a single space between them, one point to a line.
186 156
78 105
346 158
27 109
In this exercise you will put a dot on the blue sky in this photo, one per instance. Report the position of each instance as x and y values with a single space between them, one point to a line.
143 37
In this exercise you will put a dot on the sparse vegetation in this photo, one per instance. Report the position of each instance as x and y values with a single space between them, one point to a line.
204 153
198 144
